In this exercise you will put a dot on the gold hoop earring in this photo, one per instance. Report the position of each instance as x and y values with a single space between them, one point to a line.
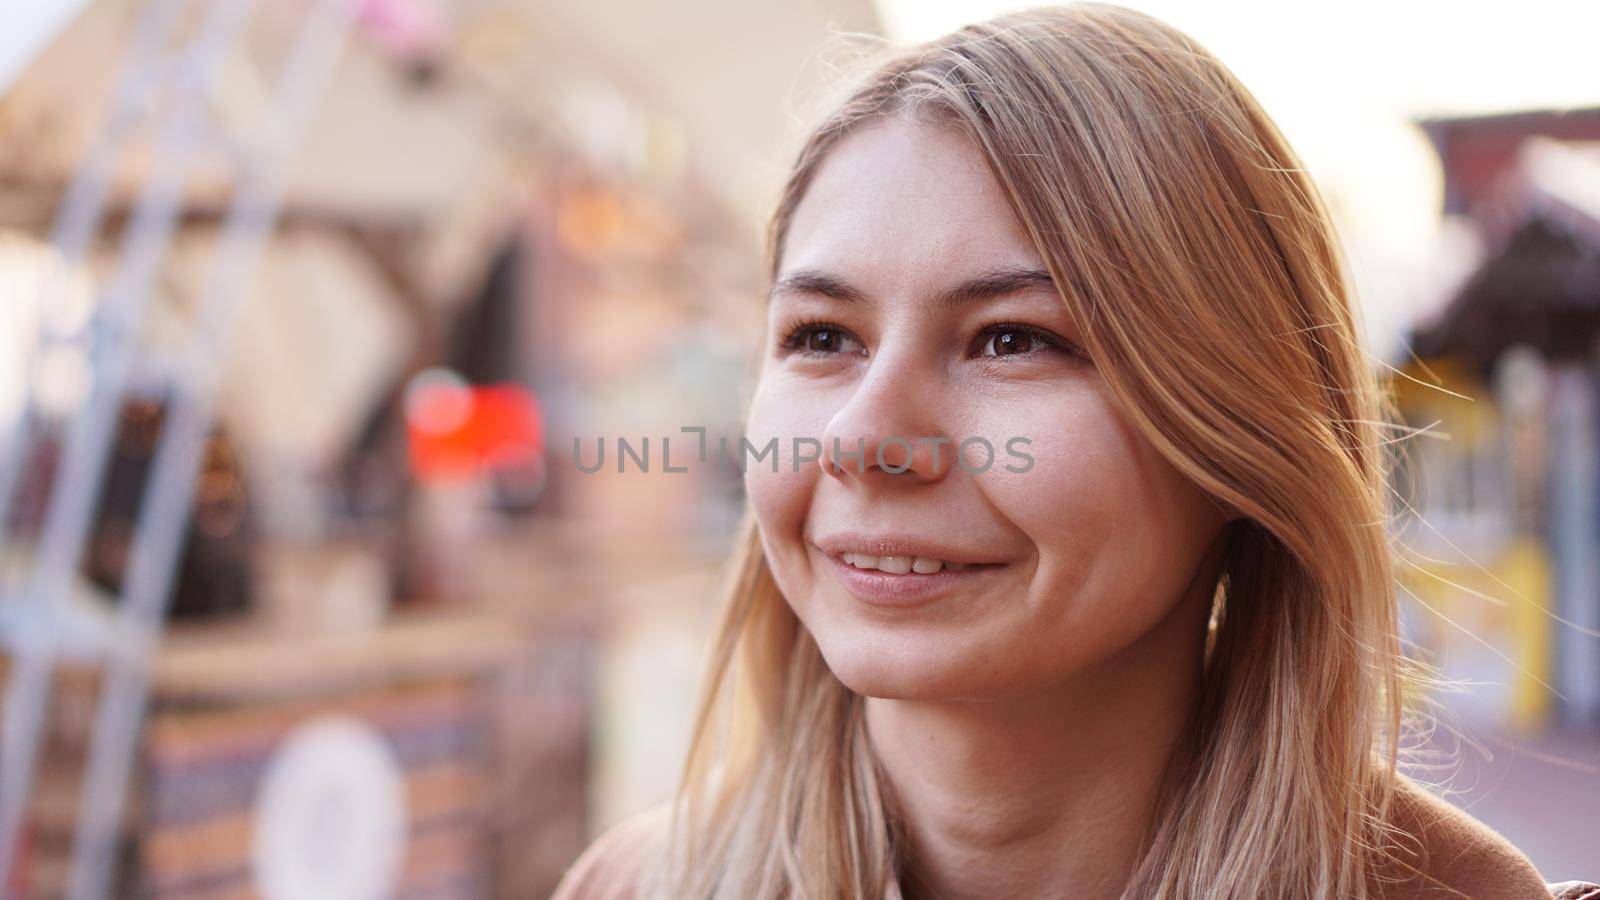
1219 613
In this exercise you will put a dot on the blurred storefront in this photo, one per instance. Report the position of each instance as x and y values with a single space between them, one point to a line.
511 225
1506 525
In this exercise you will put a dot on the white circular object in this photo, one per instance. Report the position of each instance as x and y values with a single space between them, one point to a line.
330 820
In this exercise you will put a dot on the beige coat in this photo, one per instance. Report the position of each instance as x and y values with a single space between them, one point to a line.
1461 857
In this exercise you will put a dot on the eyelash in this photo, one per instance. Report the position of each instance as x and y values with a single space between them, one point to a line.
794 341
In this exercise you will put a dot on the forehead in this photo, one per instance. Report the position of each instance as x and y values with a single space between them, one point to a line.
902 200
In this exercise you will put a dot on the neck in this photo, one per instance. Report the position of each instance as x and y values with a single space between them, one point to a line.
1046 794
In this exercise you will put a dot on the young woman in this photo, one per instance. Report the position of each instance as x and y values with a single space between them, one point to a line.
1071 577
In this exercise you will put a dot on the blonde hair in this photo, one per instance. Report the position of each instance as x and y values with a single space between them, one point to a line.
1205 271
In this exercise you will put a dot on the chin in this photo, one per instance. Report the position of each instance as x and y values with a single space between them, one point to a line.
877 666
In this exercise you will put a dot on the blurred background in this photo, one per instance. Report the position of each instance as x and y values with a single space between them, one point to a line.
335 332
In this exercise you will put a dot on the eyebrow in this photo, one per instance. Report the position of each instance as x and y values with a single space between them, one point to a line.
987 286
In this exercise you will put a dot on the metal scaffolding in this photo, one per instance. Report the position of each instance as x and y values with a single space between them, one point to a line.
41 620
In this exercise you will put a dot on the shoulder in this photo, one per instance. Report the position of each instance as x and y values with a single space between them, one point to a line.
615 865
1441 851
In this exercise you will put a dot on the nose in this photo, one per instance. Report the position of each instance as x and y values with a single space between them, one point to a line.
890 426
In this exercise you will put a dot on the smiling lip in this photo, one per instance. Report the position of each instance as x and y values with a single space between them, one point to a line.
850 542
880 588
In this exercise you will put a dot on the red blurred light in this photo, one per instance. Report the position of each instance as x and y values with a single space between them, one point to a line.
499 426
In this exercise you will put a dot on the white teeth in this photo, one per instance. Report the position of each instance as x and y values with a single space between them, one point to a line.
895 565
900 565
861 560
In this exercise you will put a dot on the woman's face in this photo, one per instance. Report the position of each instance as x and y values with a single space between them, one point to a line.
912 315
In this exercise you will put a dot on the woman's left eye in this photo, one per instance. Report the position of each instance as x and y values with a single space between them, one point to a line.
1016 340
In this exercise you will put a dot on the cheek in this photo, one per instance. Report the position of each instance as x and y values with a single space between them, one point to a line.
1079 459
1068 503
1116 528
779 488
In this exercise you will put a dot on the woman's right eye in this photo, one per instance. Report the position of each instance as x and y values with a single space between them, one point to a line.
821 339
